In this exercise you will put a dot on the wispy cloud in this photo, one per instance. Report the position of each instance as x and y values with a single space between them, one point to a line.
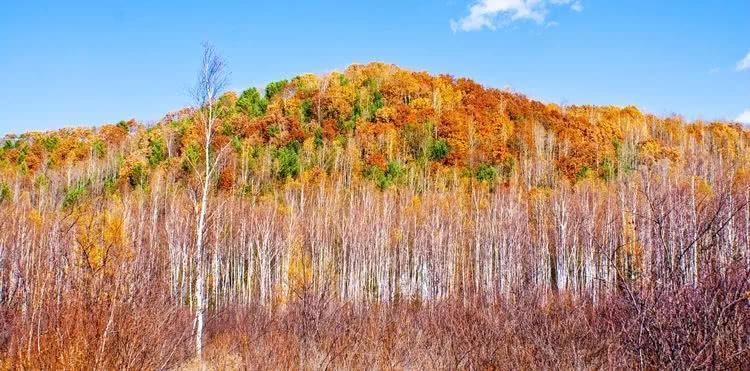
493 13
744 117
744 64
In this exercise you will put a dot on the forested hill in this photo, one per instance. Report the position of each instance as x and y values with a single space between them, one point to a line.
376 122
377 218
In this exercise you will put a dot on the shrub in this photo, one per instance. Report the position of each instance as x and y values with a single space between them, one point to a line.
5 193
376 104
418 139
486 173
191 156
306 111
607 170
124 125
507 167
252 103
273 131
157 151
385 178
288 161
439 149
110 182
275 88
138 175
318 138
583 173
100 149
74 195
50 143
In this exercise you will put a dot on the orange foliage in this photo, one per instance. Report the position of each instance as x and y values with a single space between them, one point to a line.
380 105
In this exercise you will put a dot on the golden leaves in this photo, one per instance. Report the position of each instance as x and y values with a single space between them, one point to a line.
385 114
101 240
651 151
703 188
36 218
300 270
375 105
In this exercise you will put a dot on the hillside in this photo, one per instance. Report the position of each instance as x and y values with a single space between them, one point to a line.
378 121
379 217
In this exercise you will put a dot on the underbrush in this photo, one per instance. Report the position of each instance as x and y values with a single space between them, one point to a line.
703 326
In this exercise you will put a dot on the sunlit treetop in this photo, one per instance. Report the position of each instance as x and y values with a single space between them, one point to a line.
383 116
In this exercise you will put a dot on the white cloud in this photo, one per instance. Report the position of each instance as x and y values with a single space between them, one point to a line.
575 5
491 13
744 64
744 117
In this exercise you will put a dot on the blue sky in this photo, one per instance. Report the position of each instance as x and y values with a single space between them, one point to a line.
80 63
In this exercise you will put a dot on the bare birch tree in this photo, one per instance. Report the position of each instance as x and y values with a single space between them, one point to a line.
212 79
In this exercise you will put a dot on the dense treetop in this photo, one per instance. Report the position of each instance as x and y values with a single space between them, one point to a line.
384 122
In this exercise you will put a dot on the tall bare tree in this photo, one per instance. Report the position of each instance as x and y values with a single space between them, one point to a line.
212 79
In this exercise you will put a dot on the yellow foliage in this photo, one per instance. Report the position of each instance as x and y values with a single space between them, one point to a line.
416 202
300 268
36 218
420 103
385 114
101 239
741 178
651 151
396 235
306 84
539 194
228 99
702 188
448 97
632 247
724 138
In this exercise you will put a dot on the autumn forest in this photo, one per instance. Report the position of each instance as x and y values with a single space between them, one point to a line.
381 218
